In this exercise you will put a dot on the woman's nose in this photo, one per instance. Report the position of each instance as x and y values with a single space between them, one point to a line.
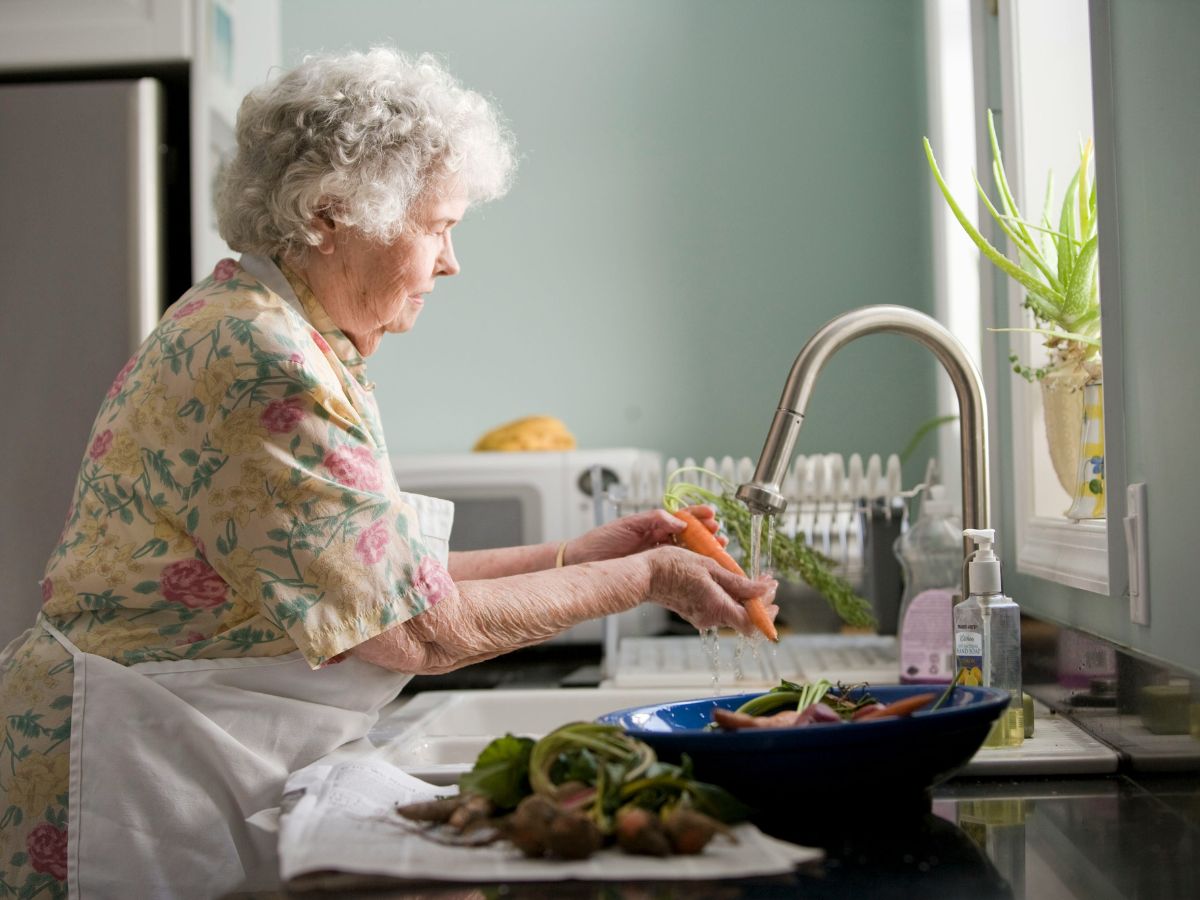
447 263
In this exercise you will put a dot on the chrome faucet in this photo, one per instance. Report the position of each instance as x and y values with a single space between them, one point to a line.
763 494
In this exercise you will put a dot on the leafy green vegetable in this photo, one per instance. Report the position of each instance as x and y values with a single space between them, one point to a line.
949 690
501 771
667 785
789 695
575 765
621 769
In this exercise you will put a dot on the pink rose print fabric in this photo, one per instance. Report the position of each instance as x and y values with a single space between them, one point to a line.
220 513
119 381
320 341
188 308
282 416
372 543
194 583
355 467
47 848
100 445
224 270
432 581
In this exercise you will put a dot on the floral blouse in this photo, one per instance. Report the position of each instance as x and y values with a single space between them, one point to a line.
235 499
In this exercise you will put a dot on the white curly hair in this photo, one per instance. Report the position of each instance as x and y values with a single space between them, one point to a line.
358 137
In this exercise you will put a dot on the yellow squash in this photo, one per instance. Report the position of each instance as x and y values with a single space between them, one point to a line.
528 433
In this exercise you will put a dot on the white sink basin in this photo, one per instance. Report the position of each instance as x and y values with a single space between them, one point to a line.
437 735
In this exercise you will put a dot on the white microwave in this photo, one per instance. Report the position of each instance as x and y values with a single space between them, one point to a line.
532 497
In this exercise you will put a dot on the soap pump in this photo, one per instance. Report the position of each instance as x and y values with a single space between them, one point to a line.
987 637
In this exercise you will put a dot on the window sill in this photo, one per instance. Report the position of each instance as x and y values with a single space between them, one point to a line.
1066 552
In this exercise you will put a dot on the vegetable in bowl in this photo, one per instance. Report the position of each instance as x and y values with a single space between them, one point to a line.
887 761
793 705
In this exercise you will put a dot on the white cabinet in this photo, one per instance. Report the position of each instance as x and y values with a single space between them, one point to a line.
228 47
73 33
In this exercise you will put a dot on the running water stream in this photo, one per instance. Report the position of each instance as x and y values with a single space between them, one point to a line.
758 560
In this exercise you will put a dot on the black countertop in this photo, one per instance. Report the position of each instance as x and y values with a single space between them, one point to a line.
1128 835
1090 838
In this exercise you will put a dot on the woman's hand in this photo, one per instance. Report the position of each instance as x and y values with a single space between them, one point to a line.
703 592
635 533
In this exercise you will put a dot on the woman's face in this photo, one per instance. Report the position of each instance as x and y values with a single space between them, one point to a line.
370 289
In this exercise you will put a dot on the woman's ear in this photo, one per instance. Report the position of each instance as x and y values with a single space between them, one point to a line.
326 227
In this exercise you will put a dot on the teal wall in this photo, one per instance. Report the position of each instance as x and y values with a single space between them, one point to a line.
1156 80
702 185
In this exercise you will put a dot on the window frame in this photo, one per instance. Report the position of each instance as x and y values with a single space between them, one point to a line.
1087 555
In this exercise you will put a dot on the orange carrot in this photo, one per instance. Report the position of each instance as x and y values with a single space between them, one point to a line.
905 707
698 539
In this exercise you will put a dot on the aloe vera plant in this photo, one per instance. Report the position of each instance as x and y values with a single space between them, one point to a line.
1057 266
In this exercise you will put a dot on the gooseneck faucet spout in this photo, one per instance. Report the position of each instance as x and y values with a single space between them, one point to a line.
763 494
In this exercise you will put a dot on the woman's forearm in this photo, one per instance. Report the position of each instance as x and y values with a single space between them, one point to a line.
486 618
472 565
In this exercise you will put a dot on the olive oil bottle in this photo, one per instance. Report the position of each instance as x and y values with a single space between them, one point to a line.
987 638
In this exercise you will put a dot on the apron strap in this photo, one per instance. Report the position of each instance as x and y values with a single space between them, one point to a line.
58 636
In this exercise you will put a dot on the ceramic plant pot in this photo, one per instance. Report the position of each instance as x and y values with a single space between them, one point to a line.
1062 411
1088 489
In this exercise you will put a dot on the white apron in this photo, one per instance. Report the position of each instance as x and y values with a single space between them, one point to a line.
169 759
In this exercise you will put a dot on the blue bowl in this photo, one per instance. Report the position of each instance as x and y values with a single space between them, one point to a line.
887 761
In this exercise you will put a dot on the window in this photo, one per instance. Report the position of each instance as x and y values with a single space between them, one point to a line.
1031 62
1046 89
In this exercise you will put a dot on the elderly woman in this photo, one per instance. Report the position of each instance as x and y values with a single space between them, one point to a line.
240 585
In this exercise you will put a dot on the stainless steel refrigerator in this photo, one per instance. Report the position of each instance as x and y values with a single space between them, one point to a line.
81 283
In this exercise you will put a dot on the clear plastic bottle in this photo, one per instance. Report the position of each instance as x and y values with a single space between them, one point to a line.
987 638
931 553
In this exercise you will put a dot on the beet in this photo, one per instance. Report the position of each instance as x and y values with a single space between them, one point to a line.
438 810
641 831
573 835
689 830
529 825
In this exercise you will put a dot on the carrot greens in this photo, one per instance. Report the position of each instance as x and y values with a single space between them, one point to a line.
792 557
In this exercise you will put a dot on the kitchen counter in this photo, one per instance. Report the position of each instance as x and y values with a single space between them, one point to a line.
982 838
1133 833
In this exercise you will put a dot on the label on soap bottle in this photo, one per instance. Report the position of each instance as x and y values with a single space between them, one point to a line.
926 639
968 653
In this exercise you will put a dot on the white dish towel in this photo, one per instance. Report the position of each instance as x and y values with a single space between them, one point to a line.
340 818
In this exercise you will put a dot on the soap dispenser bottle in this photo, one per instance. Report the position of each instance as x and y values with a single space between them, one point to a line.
931 553
987 638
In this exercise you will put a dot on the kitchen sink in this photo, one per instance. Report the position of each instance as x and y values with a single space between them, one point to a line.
436 735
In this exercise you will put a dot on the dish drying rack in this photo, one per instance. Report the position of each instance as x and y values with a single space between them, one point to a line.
850 510
829 499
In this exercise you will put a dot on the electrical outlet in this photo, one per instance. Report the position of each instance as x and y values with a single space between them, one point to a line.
1137 548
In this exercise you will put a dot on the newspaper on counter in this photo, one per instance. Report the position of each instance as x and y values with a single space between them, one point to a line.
341 818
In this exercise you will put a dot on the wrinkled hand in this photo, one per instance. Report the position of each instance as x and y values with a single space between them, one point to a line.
635 533
702 592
